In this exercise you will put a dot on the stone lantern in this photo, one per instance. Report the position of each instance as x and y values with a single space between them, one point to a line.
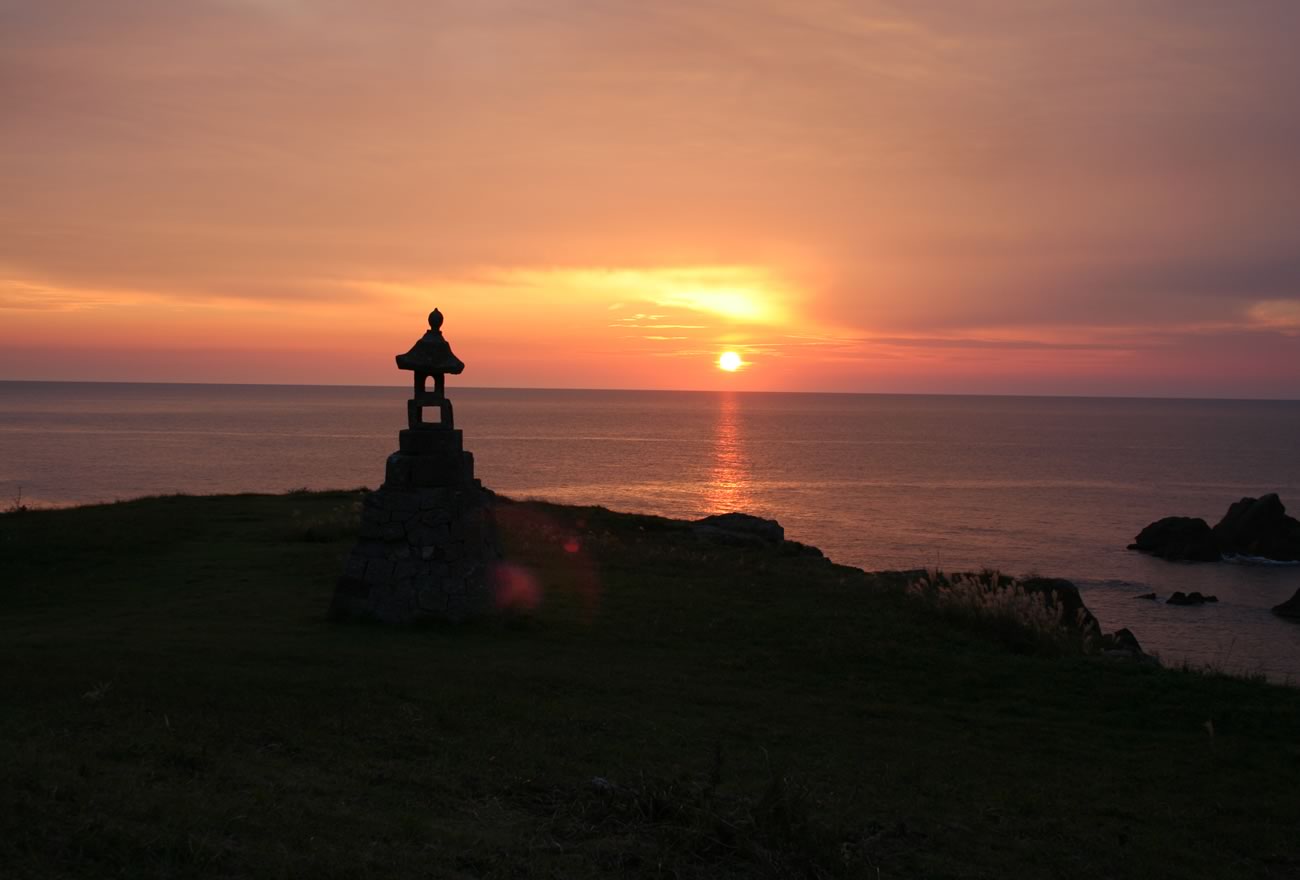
427 545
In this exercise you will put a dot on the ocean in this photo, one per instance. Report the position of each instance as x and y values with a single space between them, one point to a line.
1051 486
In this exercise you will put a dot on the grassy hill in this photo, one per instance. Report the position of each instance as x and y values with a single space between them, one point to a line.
174 703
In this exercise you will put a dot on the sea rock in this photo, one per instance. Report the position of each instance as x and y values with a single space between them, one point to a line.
1290 608
740 529
1192 598
1179 538
1151 597
1259 527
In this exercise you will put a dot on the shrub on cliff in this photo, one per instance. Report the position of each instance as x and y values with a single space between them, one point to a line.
1033 616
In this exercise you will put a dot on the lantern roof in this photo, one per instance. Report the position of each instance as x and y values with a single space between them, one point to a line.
431 355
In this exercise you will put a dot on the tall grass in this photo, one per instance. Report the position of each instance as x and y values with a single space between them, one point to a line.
1027 621
17 505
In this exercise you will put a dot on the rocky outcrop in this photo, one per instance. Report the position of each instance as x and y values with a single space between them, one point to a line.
1259 527
1256 527
1065 595
797 548
747 530
740 529
1179 538
1192 598
1121 641
1290 608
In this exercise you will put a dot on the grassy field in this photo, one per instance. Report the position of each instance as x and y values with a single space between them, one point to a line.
174 703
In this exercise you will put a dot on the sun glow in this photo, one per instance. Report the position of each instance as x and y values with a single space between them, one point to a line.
729 361
735 304
742 294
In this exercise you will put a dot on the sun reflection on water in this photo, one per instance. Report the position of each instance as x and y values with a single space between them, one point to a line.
729 483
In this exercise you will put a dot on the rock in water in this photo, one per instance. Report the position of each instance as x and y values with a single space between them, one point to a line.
1259 527
1179 538
1192 598
1290 608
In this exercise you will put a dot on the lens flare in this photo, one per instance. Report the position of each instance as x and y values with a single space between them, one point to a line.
515 588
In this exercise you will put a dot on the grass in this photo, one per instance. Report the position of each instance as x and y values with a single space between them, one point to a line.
1022 619
174 703
16 505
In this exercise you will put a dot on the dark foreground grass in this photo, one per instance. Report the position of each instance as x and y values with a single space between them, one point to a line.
174 703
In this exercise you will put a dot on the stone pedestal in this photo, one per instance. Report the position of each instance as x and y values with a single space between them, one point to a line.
428 541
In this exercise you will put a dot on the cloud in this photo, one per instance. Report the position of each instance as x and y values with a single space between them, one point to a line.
24 296
947 168
1282 315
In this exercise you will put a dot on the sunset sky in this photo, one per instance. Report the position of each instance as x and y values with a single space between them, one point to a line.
969 196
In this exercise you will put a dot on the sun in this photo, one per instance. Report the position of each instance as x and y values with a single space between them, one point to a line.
729 361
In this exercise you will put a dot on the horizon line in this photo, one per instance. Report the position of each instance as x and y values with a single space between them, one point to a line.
1027 396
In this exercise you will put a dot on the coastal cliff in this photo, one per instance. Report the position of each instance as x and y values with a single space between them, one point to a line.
651 702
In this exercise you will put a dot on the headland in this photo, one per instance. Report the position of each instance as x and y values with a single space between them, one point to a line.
176 702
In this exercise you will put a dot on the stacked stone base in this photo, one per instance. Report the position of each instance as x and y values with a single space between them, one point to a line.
423 554
427 547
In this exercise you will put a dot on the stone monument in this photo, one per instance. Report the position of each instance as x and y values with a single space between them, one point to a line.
427 546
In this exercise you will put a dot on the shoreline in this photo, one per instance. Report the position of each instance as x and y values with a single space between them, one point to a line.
893 576
896 578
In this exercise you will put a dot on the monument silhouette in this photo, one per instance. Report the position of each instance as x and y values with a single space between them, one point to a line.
427 546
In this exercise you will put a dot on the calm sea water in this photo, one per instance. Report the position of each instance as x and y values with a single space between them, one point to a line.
1056 486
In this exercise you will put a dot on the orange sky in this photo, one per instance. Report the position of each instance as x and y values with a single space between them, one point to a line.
971 196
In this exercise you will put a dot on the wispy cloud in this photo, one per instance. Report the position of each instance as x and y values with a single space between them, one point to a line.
948 176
